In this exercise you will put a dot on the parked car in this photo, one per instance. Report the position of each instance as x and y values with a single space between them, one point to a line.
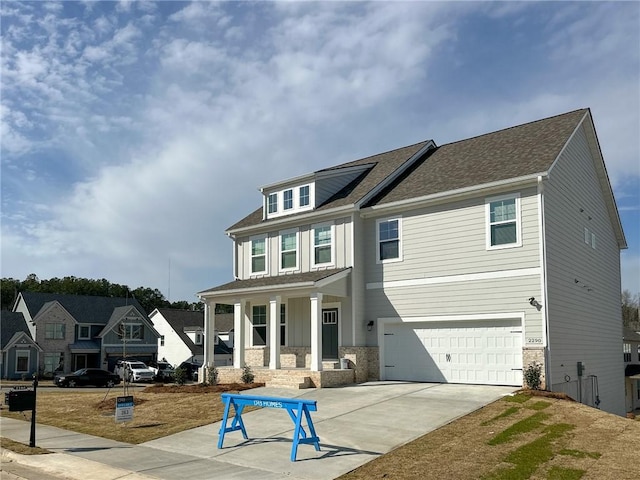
87 376
192 370
162 370
133 371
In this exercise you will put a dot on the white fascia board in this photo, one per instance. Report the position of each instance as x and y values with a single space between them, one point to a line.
323 282
531 179
257 291
307 177
399 171
314 216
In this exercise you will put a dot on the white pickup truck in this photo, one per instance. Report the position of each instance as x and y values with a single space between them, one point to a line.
133 371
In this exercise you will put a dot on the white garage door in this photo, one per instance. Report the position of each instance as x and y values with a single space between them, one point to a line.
478 352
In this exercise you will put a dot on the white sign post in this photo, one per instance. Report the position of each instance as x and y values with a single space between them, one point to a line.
124 409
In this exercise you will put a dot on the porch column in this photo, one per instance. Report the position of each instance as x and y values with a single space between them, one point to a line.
239 321
274 332
209 333
316 331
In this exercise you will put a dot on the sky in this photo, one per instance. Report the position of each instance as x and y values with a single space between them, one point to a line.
134 133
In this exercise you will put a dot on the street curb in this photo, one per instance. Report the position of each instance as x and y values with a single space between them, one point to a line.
72 467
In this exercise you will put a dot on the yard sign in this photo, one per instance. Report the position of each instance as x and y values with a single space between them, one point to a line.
124 409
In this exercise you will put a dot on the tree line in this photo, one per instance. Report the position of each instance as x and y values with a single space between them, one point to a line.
149 298
631 310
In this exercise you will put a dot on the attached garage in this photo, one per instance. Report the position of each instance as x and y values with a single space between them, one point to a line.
485 352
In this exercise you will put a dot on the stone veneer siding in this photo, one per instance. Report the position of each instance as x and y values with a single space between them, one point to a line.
534 355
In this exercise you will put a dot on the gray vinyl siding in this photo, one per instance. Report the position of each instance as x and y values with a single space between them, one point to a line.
450 239
341 243
328 187
584 317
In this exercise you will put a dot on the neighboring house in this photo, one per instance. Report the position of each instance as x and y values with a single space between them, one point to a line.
461 263
19 354
182 336
631 355
78 331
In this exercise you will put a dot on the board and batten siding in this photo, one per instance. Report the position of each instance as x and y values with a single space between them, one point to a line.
583 283
446 269
341 243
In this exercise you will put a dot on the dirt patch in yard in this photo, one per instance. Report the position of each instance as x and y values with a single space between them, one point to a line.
546 437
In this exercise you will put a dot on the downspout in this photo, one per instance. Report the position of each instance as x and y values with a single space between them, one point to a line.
543 282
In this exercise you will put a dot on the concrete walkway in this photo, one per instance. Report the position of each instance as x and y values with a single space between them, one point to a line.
355 424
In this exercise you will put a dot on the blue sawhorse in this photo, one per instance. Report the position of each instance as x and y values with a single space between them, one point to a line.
296 407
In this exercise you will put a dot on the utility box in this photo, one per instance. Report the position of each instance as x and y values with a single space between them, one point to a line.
20 400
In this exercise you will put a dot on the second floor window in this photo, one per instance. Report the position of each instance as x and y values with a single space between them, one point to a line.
131 331
503 222
289 250
388 239
259 255
287 198
304 196
626 349
272 203
84 332
259 321
54 331
322 245
161 340
199 338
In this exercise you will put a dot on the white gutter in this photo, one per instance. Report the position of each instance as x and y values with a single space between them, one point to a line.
543 281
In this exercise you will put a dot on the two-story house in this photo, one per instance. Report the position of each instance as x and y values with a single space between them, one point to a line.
78 331
182 336
19 353
464 263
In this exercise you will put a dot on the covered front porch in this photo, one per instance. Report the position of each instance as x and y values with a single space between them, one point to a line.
292 329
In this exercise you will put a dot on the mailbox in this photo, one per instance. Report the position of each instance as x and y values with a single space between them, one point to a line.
21 400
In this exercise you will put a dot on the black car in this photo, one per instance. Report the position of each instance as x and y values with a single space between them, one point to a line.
87 376
191 369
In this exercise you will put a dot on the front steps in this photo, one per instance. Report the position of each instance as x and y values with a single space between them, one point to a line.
285 380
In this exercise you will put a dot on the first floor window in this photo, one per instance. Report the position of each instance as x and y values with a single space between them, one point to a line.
626 349
22 361
322 244
53 362
503 221
54 331
388 239
288 250
259 255
259 321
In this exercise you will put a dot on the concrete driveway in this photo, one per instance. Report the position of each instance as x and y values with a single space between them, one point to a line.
355 425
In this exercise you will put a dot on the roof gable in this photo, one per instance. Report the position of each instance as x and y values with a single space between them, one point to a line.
12 324
130 313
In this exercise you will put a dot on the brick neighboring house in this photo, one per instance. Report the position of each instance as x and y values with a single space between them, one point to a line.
78 331
182 336
19 353
462 263
631 355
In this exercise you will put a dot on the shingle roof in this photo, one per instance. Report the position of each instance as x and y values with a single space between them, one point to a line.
84 308
382 165
505 154
511 153
630 335
10 324
296 278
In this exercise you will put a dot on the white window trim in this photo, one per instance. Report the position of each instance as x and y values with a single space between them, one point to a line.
80 337
312 241
293 201
389 219
23 353
266 340
309 205
277 195
487 221
297 265
295 205
266 254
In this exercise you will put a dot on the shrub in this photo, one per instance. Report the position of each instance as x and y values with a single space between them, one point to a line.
180 376
212 375
247 374
533 376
